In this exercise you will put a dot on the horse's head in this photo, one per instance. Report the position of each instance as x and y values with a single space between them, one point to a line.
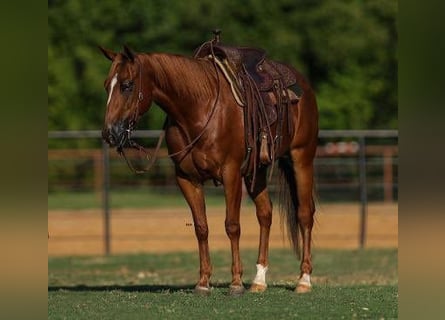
129 96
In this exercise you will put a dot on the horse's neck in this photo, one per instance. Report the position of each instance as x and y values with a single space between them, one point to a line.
182 86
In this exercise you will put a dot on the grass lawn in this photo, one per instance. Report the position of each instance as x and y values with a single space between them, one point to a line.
361 284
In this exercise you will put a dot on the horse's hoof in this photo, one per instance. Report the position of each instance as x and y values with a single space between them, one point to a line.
304 284
258 288
236 290
202 291
303 288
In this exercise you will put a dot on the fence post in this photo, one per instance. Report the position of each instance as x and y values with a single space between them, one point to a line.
363 191
387 174
106 196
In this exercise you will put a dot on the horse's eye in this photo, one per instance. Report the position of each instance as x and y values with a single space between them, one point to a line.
126 86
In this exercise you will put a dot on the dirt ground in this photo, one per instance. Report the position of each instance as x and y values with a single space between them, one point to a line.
80 232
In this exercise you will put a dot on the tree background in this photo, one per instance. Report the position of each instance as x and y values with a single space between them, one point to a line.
347 49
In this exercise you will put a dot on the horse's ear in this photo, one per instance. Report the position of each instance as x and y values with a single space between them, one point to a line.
110 55
130 54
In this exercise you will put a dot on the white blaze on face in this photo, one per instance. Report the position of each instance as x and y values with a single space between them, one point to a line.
113 83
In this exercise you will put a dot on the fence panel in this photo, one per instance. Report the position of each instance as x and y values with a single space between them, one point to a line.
352 165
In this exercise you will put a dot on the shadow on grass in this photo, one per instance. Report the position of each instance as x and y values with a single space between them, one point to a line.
126 288
188 288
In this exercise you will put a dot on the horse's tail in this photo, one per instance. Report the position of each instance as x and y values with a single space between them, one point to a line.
288 202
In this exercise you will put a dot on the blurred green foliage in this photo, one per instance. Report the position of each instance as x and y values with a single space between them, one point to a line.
347 49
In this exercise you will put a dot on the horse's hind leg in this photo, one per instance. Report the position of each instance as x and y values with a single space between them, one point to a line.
195 198
263 207
302 159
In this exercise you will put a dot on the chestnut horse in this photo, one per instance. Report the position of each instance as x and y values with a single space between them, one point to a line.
205 138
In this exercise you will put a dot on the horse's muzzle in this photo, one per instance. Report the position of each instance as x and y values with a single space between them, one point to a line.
117 135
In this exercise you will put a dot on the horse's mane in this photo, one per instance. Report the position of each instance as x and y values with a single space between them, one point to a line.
190 77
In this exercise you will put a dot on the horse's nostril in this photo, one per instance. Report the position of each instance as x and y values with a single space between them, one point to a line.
116 134
109 137
111 140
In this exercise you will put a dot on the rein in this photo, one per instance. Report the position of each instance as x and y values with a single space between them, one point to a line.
141 149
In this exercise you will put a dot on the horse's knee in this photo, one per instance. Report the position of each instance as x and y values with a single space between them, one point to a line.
264 210
201 231
233 228
265 218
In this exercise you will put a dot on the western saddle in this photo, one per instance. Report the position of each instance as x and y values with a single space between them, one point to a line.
264 88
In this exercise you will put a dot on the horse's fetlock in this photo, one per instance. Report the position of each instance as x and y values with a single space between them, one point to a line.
306 267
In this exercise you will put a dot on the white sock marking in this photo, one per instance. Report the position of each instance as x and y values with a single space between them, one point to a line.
305 280
113 83
260 277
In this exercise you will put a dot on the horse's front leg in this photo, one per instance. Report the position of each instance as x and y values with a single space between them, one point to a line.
263 206
195 198
233 192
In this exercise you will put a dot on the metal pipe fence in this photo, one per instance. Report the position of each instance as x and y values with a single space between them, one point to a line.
332 144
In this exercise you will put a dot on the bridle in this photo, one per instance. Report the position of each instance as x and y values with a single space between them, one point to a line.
134 145
131 124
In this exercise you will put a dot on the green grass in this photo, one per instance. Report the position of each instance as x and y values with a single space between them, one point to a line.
347 284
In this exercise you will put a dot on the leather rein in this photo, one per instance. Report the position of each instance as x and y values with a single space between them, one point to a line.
152 159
